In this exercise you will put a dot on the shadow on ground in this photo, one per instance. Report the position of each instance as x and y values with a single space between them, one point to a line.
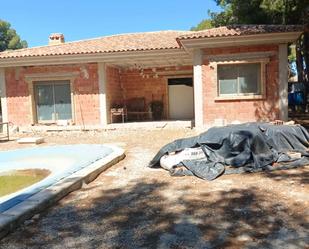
297 176
143 215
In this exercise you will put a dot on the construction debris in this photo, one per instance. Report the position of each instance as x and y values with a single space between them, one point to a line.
31 140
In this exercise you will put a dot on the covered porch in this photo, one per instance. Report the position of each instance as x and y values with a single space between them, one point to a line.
146 90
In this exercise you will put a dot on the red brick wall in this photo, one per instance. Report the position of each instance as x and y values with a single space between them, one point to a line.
85 88
86 96
241 110
151 88
113 86
121 85
18 104
146 84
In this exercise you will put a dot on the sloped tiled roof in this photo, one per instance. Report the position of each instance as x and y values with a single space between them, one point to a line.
239 30
144 41
113 43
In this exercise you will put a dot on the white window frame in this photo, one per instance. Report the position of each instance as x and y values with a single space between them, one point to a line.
31 79
262 85
51 82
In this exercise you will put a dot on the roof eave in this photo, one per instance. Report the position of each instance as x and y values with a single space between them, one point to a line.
241 40
90 58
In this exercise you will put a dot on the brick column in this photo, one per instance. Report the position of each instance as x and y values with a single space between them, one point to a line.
104 118
283 82
198 88
3 98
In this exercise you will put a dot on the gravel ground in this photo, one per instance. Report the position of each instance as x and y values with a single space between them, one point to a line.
132 206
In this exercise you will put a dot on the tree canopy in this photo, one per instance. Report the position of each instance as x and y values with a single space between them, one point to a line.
9 39
204 24
257 12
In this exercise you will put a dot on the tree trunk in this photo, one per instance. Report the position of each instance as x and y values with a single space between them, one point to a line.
306 54
299 60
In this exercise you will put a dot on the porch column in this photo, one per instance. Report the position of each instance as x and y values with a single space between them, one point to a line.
102 94
3 98
283 82
198 87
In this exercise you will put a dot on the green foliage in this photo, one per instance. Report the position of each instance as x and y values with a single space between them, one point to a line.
238 12
292 53
204 24
257 12
260 12
9 39
286 11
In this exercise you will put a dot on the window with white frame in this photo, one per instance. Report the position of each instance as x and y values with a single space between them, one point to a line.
243 79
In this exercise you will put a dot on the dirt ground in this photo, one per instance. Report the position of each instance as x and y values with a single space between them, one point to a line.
132 206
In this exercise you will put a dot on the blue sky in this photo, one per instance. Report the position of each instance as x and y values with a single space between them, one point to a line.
34 20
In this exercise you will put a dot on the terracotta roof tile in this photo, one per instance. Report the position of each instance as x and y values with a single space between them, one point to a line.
144 41
239 30
114 43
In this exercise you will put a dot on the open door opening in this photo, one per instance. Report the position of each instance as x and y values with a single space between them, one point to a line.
180 98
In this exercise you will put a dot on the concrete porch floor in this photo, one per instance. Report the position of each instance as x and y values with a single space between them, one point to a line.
147 125
169 124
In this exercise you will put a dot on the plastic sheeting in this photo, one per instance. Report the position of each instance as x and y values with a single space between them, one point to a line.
249 147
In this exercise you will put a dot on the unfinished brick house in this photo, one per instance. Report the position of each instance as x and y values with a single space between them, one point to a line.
225 74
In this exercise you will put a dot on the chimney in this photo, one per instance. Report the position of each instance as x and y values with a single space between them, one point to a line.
56 39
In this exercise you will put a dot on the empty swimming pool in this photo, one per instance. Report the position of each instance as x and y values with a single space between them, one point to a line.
62 161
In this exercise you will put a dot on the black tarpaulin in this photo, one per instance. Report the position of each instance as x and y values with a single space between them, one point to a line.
249 147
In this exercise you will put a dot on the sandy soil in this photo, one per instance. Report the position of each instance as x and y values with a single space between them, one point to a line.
132 206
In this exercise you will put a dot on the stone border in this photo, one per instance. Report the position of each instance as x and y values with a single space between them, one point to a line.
13 217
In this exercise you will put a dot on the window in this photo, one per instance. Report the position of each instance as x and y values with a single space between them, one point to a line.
53 101
239 79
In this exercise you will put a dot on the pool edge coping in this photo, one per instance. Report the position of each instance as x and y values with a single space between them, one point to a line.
16 215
